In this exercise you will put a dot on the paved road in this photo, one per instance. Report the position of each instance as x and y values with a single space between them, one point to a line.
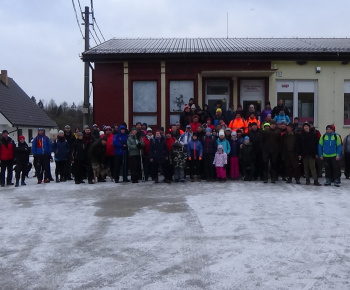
181 236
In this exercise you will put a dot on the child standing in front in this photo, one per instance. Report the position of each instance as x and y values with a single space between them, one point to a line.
220 162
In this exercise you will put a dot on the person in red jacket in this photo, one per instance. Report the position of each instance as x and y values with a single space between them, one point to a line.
109 158
195 124
7 155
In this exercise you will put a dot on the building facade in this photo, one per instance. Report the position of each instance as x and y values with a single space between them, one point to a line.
151 80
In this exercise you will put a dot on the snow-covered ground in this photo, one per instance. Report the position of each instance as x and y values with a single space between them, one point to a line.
233 235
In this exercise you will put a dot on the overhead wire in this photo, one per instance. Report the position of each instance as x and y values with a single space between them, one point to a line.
81 10
76 16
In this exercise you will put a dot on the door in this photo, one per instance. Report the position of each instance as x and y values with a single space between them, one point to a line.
252 92
217 91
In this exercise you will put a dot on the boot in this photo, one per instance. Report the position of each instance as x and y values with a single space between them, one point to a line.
17 183
316 183
298 181
337 182
328 182
289 180
308 181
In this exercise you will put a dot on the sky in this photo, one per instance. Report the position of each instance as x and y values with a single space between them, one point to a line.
41 44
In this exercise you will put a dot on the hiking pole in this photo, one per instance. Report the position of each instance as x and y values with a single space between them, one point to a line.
142 171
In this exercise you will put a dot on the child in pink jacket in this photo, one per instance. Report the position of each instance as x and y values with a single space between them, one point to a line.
220 161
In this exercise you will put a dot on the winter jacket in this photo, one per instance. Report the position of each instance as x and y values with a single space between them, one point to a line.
276 110
22 152
329 145
132 145
246 154
307 144
194 149
61 149
209 145
169 143
282 117
88 140
346 145
41 145
234 144
185 119
238 124
158 150
264 114
97 152
225 145
220 159
194 126
7 149
249 121
185 138
178 155
79 150
70 138
119 140
255 140
109 144
271 141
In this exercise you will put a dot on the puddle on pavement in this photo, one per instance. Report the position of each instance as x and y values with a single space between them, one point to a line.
24 202
126 206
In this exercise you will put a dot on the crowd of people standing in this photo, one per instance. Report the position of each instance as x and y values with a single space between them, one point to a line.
211 144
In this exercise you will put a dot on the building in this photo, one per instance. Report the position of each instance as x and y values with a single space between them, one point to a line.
150 80
18 113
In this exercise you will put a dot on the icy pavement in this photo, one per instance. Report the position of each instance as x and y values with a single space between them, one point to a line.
233 235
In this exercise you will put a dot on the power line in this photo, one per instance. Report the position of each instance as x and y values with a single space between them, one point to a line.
93 37
93 28
76 16
99 28
94 20
81 10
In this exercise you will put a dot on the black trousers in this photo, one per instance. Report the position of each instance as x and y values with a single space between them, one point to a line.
272 159
42 166
209 168
135 167
120 163
332 168
60 166
347 164
6 165
194 167
79 170
292 166
21 168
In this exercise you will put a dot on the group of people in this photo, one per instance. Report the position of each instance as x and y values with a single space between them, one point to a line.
261 146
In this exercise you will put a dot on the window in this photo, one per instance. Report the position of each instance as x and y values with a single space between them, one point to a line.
145 102
347 103
180 93
30 135
299 97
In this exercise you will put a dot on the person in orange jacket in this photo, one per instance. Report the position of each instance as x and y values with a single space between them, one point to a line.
238 123
252 119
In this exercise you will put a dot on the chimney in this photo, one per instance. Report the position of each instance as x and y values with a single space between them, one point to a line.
4 78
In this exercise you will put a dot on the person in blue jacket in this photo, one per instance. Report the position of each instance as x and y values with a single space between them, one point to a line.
195 154
41 149
120 154
282 117
329 150
61 149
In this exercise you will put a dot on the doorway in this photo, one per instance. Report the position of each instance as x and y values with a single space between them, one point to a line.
252 92
218 90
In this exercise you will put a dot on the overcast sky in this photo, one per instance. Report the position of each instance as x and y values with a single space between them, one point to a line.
40 42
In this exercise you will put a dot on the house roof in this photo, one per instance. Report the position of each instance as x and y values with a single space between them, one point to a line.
266 48
19 109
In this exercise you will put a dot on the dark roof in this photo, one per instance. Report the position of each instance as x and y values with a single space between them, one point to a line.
272 48
19 109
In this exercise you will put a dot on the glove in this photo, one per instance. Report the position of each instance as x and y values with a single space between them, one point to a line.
139 145
200 158
189 158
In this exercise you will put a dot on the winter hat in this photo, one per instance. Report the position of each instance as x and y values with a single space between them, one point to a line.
195 116
193 106
149 129
108 128
161 129
306 124
177 123
265 125
5 131
228 129
188 127
195 134
94 125
221 133
104 138
21 137
79 134
133 128
208 129
290 125
122 127
218 110
86 127
330 127
187 107
39 129
60 132
233 133
67 127
253 124
284 123
220 147
246 138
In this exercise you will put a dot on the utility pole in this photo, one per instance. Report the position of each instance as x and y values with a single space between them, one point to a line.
86 106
